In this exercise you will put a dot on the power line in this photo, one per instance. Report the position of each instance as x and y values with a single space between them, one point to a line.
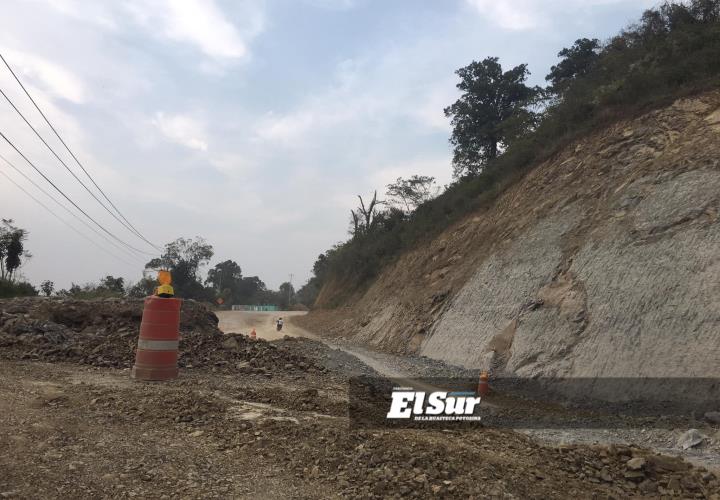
73 154
72 214
125 225
68 199
63 220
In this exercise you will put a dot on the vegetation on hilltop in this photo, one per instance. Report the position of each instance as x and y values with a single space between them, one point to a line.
502 127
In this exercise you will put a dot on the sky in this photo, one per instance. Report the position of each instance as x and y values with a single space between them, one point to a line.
253 124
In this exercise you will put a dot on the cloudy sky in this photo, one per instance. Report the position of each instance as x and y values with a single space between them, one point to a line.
251 123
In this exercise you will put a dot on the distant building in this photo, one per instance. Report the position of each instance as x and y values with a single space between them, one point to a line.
254 308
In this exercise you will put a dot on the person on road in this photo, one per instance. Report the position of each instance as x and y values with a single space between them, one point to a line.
279 324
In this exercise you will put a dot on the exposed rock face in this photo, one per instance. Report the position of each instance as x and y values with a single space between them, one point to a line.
602 262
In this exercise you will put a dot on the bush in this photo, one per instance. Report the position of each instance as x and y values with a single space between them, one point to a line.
16 289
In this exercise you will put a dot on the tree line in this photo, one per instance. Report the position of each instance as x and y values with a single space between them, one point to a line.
184 258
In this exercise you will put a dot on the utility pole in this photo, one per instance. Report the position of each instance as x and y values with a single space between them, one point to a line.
290 289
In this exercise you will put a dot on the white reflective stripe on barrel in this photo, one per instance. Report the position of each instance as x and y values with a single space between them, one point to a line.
158 345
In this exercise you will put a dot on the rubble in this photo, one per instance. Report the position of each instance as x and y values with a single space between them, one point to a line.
104 333
690 439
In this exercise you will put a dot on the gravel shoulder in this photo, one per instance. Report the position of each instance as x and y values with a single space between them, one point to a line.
663 434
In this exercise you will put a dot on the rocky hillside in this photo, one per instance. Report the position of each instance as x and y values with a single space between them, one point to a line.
604 261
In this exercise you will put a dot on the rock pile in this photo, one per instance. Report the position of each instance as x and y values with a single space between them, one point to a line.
104 332
420 464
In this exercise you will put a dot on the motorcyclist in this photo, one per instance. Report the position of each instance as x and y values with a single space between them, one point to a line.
279 324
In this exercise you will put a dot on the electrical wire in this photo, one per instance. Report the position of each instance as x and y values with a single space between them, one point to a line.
125 225
73 154
125 251
64 221
4 137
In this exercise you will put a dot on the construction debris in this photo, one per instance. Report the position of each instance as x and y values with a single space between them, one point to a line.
104 333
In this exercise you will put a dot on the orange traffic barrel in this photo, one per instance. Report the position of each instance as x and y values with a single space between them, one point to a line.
157 351
253 334
483 384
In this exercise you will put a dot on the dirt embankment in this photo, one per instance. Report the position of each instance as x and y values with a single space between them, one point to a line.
601 262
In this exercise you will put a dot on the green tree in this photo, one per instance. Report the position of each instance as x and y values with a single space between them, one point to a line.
12 249
493 110
184 258
408 194
143 288
226 280
250 290
307 294
577 61
16 289
286 294
225 275
47 287
112 284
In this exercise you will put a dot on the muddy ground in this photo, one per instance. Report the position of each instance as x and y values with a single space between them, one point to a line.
266 420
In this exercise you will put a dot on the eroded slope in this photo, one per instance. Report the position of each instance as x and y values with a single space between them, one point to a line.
603 261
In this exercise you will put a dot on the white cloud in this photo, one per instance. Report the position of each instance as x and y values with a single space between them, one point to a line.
196 22
91 12
201 23
509 14
285 128
48 76
182 129
332 4
363 94
520 15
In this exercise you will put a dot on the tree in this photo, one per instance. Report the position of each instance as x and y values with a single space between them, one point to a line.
286 295
577 61
226 280
16 289
492 111
184 258
321 265
12 250
47 287
250 290
224 275
143 288
705 11
363 218
113 284
408 194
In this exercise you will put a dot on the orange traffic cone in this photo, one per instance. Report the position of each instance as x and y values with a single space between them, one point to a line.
483 385
253 335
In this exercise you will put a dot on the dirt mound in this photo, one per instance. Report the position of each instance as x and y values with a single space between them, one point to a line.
104 333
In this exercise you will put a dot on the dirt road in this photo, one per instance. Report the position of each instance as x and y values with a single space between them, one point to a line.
414 369
263 322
